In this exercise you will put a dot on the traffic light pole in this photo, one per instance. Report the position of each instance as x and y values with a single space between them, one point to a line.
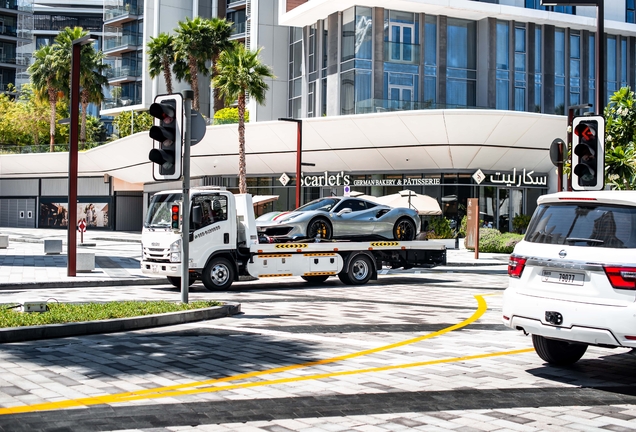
185 208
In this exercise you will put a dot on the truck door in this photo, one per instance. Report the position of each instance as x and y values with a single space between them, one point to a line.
211 232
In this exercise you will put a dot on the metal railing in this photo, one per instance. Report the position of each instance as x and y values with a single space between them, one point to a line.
111 43
389 105
122 72
127 9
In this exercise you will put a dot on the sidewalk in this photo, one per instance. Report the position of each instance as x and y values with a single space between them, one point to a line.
117 256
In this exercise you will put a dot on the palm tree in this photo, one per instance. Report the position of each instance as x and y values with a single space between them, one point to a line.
64 52
44 73
193 45
241 73
92 80
221 32
161 57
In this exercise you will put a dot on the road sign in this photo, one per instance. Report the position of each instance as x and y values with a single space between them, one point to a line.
347 191
81 226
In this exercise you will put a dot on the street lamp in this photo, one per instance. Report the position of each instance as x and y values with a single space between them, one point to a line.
599 43
299 150
71 239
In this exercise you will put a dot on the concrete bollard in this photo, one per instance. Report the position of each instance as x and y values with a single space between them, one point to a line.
85 262
52 246
4 241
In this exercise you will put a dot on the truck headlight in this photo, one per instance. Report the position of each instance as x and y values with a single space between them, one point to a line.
175 251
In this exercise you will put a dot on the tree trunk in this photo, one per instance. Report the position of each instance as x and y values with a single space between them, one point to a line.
84 102
217 100
195 82
167 76
241 132
52 101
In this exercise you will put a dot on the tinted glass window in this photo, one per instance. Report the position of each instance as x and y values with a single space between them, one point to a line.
324 204
584 225
354 205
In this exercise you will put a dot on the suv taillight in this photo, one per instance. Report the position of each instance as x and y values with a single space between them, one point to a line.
621 277
516 264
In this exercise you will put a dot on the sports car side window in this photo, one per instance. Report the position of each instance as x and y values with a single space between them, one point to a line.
354 205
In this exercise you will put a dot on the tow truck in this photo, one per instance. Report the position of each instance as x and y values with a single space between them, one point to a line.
224 246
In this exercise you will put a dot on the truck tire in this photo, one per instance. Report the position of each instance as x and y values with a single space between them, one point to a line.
218 274
315 279
404 230
322 226
360 270
176 281
558 352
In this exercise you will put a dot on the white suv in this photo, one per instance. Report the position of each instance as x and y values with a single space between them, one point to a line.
573 277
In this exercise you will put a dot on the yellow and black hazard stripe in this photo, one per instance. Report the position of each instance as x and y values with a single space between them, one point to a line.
319 254
274 275
380 244
324 273
291 246
265 256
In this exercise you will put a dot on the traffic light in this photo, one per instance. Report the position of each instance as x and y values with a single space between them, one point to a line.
588 153
175 211
167 134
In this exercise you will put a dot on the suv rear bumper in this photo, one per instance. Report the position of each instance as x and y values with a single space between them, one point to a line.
592 324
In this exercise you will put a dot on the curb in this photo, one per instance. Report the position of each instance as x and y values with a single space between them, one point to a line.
83 284
52 331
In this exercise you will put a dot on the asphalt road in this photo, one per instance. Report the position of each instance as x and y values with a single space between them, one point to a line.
411 351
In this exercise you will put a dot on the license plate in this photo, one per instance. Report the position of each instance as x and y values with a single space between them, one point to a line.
155 268
560 277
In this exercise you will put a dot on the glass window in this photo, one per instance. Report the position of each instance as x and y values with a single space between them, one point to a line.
538 70
348 35
430 60
584 225
612 73
591 77
575 68
503 65
630 12
623 62
520 69
559 71
461 62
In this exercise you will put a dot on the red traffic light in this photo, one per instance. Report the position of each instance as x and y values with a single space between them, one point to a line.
585 131
175 216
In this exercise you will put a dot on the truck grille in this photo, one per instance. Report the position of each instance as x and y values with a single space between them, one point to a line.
156 254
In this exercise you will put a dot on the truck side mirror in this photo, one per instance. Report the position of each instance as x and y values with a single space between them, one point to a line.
197 215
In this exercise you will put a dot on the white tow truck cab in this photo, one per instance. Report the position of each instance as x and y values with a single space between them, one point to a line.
224 246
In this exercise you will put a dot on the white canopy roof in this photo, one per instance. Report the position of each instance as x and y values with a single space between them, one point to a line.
405 141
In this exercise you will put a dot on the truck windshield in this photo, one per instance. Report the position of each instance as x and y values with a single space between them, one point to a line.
159 211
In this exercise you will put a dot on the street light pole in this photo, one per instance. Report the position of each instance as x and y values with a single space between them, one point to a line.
299 150
71 240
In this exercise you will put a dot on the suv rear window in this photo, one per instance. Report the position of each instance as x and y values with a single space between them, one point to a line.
580 224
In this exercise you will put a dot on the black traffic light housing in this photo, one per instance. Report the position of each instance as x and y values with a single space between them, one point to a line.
588 153
167 134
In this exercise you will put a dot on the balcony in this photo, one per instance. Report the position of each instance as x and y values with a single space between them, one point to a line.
122 102
389 105
395 52
8 59
114 45
238 30
236 4
21 5
122 74
122 13
7 30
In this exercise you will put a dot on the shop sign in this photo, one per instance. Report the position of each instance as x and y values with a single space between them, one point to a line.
398 182
527 178
326 179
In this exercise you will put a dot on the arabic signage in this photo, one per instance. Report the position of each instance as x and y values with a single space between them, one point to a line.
512 179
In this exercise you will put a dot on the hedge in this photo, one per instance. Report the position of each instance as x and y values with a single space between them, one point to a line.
493 241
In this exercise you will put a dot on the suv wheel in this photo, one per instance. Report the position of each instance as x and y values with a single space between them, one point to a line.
558 352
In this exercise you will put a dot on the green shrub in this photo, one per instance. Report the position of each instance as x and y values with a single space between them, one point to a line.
229 116
439 228
463 226
520 223
493 241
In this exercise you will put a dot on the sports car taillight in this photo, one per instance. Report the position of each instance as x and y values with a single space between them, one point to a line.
621 277
516 264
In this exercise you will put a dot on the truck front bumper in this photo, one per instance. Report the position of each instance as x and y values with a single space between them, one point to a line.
153 268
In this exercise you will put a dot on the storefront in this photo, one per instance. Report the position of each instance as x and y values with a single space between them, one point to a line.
502 195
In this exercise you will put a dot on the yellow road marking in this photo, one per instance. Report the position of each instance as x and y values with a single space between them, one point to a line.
178 389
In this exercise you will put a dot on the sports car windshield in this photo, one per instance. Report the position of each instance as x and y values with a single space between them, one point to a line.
322 204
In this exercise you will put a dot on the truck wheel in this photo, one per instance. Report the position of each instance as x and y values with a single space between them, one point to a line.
315 279
218 274
404 230
360 270
176 281
558 352
319 226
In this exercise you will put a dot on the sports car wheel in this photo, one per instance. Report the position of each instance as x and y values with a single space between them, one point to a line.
319 226
404 229
218 274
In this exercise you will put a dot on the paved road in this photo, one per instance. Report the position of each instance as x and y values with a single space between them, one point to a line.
413 351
